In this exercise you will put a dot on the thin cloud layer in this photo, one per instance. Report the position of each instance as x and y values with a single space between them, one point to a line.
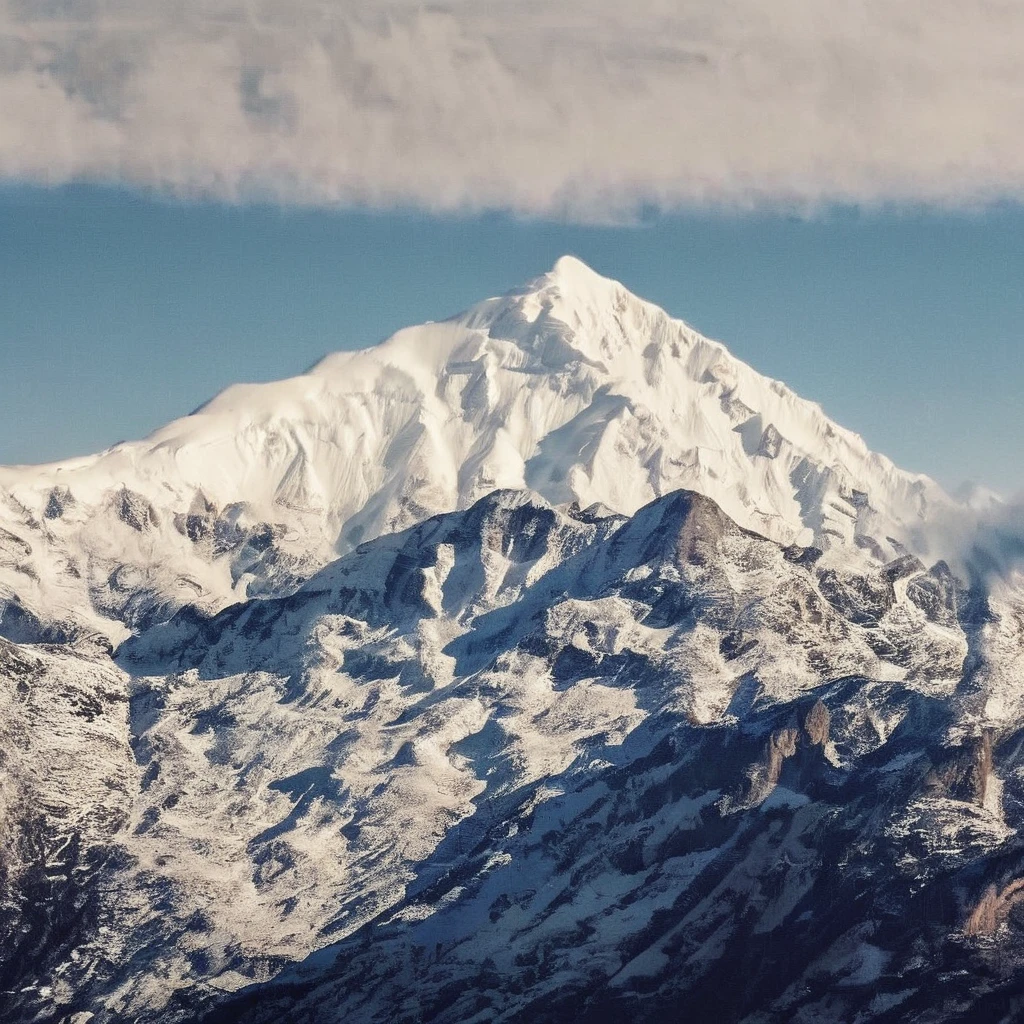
580 108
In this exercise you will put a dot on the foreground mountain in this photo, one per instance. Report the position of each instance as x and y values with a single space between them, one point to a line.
637 685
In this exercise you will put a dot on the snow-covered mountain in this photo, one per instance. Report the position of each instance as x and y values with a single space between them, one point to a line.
543 664
571 387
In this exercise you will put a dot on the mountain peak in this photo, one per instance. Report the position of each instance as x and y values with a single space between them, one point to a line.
569 287
571 270
576 286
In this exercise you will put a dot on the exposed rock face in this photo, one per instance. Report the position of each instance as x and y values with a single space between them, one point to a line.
781 744
771 442
994 908
200 521
135 511
984 777
816 724
863 599
59 500
938 594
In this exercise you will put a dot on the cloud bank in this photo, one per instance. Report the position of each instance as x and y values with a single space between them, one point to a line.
586 109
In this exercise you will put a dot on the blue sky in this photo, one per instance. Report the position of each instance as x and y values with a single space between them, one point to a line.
119 313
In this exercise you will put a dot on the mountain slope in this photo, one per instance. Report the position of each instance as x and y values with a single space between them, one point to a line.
535 760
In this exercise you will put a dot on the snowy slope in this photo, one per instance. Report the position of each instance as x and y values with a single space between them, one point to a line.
570 386
519 758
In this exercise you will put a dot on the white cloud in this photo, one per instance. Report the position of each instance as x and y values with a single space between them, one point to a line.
580 108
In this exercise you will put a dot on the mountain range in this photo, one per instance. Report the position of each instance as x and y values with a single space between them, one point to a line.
546 663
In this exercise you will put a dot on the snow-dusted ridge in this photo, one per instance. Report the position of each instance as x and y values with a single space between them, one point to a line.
570 386
516 735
